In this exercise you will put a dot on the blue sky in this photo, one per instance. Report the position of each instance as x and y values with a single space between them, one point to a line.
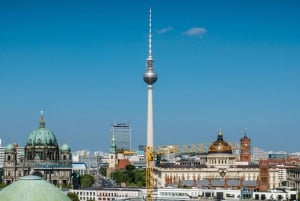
220 64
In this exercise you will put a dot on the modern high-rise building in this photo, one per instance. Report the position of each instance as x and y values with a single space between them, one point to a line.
122 135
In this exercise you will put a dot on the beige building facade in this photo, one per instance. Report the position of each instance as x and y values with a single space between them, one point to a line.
221 169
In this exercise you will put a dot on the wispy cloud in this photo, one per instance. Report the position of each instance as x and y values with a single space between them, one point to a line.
195 31
164 30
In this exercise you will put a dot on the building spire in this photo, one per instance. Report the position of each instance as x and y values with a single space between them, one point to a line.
220 131
245 132
113 146
220 134
42 121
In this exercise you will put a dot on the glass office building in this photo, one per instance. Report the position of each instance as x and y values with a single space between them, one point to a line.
122 134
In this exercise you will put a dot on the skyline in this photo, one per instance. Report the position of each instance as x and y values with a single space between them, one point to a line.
230 65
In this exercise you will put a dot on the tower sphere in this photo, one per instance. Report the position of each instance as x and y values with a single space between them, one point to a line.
150 76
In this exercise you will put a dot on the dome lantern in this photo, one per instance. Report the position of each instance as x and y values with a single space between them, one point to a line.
42 121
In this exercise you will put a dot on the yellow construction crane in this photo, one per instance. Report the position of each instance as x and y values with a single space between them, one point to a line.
128 152
149 173
182 149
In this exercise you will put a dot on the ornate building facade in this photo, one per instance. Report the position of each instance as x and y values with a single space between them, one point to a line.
220 169
42 157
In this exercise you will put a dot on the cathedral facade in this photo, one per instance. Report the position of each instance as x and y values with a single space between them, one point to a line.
42 156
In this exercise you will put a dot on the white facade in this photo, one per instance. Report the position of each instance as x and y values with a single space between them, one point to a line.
2 149
107 194
183 194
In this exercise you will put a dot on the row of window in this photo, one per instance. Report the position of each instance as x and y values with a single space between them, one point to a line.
92 195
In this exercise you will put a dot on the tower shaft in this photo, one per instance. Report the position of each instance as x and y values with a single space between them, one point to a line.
150 117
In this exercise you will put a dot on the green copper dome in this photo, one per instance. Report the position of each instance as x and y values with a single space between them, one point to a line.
42 136
65 147
32 188
10 147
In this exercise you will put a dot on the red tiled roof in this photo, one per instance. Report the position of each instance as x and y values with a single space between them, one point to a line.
122 163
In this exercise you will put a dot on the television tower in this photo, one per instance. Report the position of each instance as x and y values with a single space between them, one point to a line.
150 78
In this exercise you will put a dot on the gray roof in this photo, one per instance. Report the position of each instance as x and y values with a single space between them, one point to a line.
79 166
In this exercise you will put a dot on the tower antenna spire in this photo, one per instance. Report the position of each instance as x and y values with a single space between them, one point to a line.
150 36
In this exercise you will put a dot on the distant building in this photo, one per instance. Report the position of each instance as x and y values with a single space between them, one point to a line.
278 155
122 133
259 154
79 168
91 161
293 177
2 150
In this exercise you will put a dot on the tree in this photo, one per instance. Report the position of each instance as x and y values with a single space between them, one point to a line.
118 176
73 196
87 180
131 176
129 171
102 171
140 177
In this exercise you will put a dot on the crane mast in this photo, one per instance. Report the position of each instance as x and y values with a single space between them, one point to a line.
149 174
